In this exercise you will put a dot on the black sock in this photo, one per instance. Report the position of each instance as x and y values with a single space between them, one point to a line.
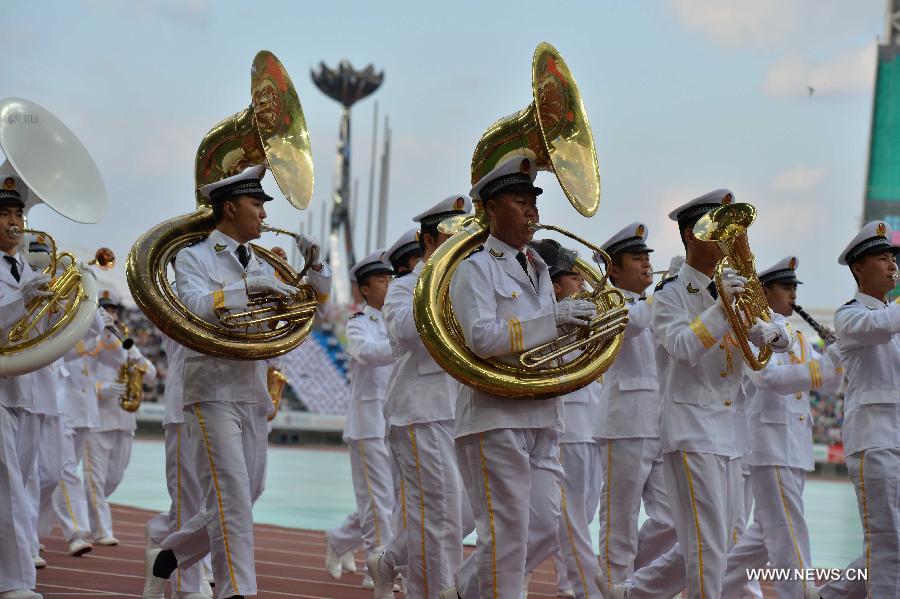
165 564
236 597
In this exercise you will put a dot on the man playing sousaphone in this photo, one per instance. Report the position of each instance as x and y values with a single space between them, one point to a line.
508 450
224 396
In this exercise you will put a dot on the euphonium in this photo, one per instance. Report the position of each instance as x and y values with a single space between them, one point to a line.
554 128
271 131
727 226
131 374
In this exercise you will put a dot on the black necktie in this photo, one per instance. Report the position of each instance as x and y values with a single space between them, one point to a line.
712 290
520 258
13 266
243 255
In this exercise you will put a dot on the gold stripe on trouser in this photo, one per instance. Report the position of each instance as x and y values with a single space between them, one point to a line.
862 491
65 492
690 482
215 477
490 509
570 533
178 491
609 467
372 505
412 440
403 500
89 476
790 521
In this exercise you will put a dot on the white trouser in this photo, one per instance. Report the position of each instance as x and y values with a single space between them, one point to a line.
438 515
45 474
346 537
657 533
187 500
706 494
373 486
19 433
627 464
578 501
229 464
512 477
847 587
778 535
876 476
106 455
69 501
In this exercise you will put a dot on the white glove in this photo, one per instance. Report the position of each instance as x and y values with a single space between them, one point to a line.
309 248
36 287
762 333
575 312
675 265
598 260
833 353
134 353
268 284
733 283
111 391
109 321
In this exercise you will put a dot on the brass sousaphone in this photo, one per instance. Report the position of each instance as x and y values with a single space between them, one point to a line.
555 129
271 131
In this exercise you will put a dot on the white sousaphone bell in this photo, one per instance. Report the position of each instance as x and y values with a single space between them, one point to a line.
58 171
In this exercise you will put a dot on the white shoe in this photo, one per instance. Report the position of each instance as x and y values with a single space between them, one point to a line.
154 588
333 561
525 585
619 591
568 593
382 576
42 548
79 547
206 589
20 594
177 595
39 562
348 562
449 593
367 583
107 541
811 593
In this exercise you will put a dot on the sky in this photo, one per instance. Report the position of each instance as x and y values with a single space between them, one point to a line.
684 96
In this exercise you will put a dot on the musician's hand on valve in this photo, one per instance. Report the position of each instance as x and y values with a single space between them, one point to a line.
675 265
762 333
269 284
574 312
111 390
308 247
732 283
36 287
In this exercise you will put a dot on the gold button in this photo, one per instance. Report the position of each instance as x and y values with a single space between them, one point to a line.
515 294
802 419
728 402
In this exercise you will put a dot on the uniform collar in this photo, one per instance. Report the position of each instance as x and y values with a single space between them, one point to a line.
372 312
691 275
418 268
872 303
499 249
219 239
6 273
630 294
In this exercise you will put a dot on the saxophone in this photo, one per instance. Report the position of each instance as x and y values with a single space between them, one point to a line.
131 374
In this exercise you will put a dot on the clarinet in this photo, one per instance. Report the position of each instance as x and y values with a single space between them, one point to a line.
826 335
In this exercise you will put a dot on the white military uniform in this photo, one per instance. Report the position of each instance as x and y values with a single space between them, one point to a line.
186 495
868 336
420 412
780 454
628 432
229 399
19 434
508 451
371 363
702 431
80 415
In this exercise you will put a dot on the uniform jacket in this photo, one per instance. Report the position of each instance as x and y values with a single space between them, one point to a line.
699 385
868 335
629 402
582 410
109 361
16 391
371 363
208 276
419 390
174 413
79 404
502 314
780 424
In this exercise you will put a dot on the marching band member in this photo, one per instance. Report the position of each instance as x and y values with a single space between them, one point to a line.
19 425
229 398
628 428
508 451
107 450
868 337
404 254
701 428
781 446
371 362
578 451
420 413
